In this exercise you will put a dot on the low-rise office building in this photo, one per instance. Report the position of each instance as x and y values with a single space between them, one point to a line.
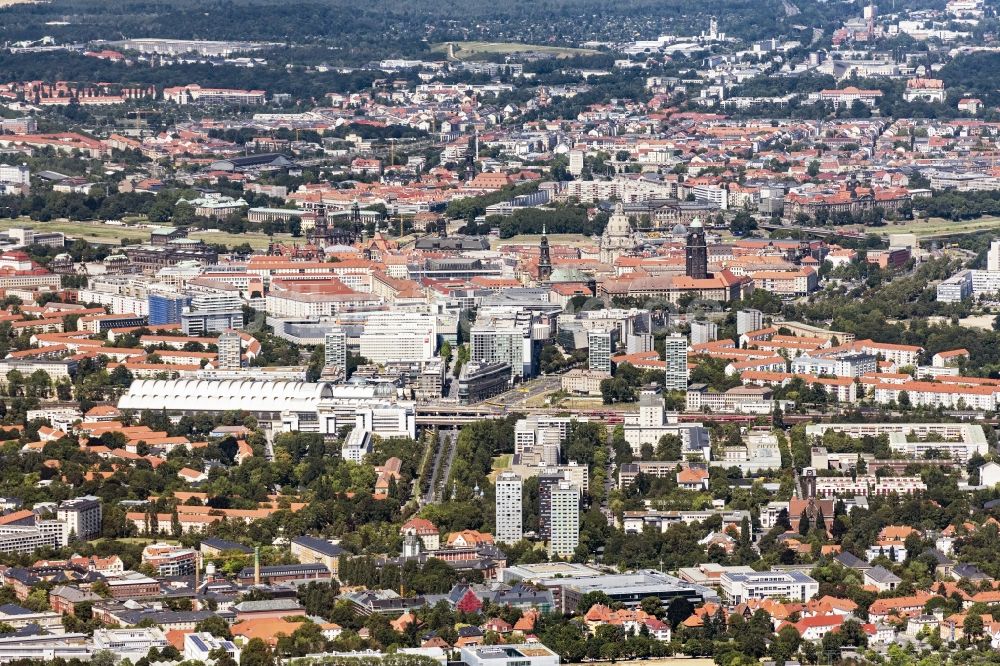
794 585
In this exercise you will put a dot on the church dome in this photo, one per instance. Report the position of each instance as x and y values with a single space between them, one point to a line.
566 274
679 230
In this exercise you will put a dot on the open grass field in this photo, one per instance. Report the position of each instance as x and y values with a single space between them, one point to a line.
555 240
500 463
578 402
469 50
92 232
934 227
106 234
256 240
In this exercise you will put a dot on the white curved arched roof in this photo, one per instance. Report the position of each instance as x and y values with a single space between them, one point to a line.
223 395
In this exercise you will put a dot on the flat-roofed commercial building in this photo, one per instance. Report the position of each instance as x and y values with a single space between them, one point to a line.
794 585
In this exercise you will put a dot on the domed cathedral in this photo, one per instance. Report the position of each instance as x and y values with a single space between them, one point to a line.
618 238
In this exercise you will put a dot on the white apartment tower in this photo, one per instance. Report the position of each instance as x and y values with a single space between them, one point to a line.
564 519
335 353
230 351
81 516
651 409
15 174
637 343
704 331
601 346
508 508
993 257
749 320
503 339
675 355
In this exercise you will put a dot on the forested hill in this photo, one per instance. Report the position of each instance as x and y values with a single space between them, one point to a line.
975 74
406 26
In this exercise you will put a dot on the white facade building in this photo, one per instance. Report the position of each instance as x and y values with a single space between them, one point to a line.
281 405
704 331
793 585
564 519
534 654
15 174
357 445
600 349
230 346
335 352
505 340
675 350
509 506
652 422
749 320
133 643
847 365
82 516
399 336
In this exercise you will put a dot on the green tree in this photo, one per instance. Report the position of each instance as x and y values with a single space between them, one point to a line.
972 626
804 523
651 605
669 447
592 599
256 653
678 610
216 626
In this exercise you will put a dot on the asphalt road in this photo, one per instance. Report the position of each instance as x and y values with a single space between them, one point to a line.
527 391
442 465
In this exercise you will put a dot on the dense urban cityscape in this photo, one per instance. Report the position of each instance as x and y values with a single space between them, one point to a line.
499 334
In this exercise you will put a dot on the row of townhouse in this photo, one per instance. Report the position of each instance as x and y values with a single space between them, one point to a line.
842 389
934 394
868 485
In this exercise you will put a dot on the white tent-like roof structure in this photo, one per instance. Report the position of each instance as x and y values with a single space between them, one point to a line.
205 395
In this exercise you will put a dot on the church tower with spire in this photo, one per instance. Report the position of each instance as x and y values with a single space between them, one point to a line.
544 260
696 252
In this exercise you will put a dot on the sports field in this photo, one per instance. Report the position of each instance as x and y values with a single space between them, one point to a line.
467 50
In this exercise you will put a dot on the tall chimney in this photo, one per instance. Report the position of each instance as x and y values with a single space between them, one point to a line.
256 565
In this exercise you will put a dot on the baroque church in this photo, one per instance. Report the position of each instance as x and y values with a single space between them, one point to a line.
618 238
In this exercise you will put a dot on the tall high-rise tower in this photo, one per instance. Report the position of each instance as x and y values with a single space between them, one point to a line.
508 508
564 519
335 354
675 353
696 252
993 257
230 351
